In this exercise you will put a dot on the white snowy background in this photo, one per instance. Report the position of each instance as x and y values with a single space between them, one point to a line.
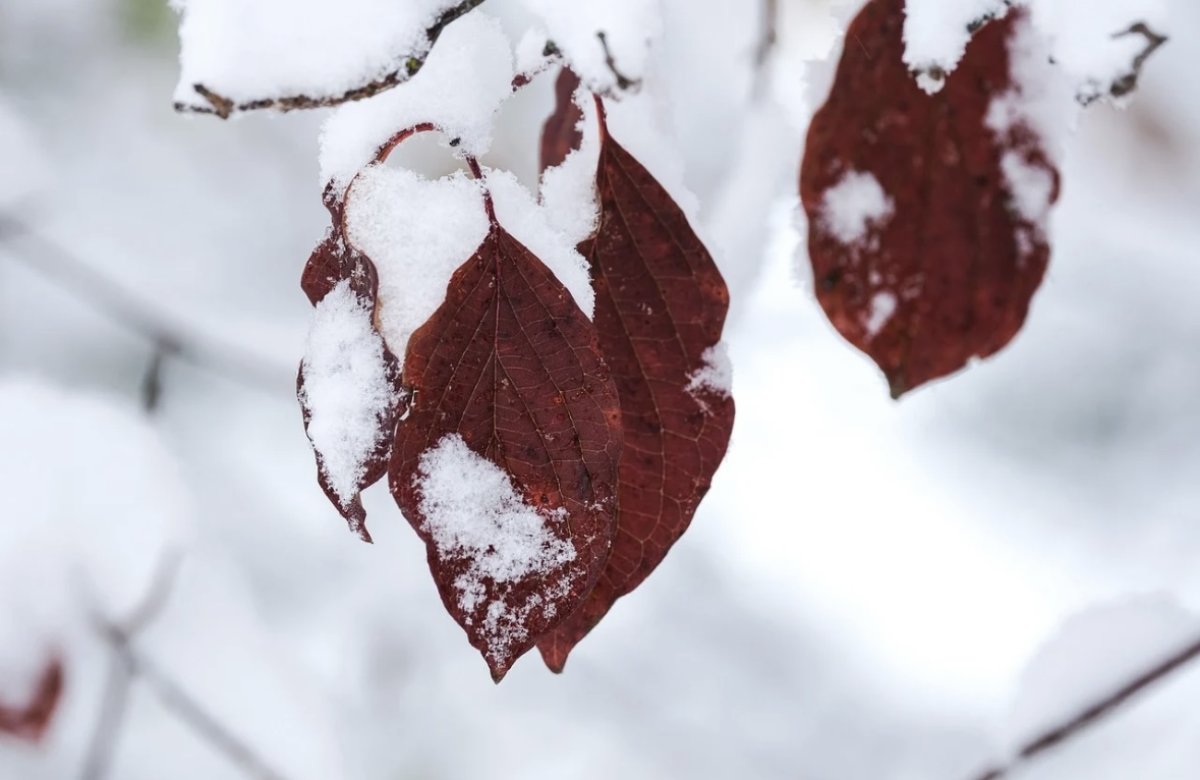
863 594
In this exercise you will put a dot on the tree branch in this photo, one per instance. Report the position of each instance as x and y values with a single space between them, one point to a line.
1128 82
408 65
168 337
129 666
1088 717
624 83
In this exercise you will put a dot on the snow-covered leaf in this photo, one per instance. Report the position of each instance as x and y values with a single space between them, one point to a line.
927 213
506 464
660 310
349 382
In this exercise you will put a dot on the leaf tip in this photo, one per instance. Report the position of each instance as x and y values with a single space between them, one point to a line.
356 520
554 655
499 670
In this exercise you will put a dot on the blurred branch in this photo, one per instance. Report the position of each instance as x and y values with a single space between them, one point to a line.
169 338
768 40
129 666
200 720
769 37
411 64
152 384
114 702
1088 717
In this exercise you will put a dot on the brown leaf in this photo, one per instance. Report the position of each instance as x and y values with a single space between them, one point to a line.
561 134
508 369
947 272
660 309
29 721
333 261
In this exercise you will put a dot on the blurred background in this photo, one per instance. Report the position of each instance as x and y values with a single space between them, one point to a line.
857 598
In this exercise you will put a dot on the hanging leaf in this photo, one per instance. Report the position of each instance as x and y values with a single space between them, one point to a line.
561 134
29 720
660 309
925 211
506 463
349 384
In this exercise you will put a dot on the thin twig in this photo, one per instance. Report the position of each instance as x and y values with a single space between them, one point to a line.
624 83
1128 82
114 704
408 65
59 265
129 666
174 698
1074 726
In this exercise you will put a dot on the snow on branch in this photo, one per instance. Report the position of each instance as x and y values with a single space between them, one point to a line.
1127 82
1132 636
1097 46
217 40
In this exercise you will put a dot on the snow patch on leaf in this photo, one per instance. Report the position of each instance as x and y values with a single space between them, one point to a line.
1031 186
459 90
347 390
641 123
529 222
936 33
417 231
883 306
854 205
715 376
471 510
568 190
1031 121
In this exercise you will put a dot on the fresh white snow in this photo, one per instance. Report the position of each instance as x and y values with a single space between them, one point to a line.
528 222
417 231
273 48
346 388
855 205
883 306
459 90
471 510
630 28
1085 40
936 33
1093 654
716 375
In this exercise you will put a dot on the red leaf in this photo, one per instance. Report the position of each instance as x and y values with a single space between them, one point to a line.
332 262
561 134
660 309
947 273
30 720
507 372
